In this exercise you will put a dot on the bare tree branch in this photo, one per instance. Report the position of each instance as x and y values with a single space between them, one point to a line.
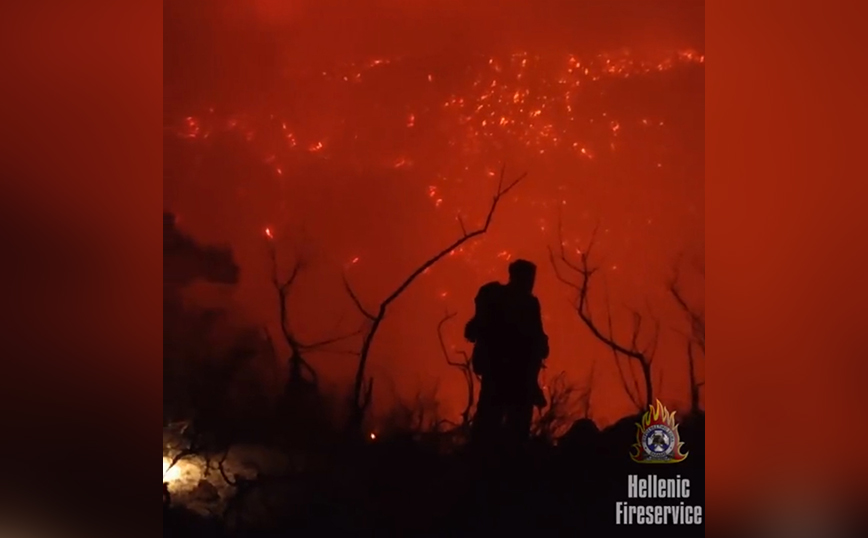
584 271
635 392
362 402
695 385
466 369
651 350
356 300
695 316
298 348
696 319
194 448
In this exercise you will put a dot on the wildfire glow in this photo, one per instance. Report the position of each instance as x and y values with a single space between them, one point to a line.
441 128
529 100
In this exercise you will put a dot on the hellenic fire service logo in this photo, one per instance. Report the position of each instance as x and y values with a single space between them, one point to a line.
657 438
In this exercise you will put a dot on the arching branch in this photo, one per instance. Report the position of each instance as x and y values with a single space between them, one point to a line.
362 399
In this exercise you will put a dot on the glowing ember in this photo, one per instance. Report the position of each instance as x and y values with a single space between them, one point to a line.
547 105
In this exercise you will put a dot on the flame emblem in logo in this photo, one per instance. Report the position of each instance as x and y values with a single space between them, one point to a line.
657 439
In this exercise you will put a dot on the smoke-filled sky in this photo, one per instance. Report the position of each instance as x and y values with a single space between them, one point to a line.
357 132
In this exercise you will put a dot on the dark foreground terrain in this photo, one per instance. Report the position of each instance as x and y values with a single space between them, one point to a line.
406 487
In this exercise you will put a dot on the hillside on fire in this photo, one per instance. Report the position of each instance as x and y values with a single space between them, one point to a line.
396 235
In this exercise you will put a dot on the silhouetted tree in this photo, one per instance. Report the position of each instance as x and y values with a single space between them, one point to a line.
298 365
464 366
695 339
363 389
631 349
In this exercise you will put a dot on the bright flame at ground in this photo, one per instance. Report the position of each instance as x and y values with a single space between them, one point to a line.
184 475
170 473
